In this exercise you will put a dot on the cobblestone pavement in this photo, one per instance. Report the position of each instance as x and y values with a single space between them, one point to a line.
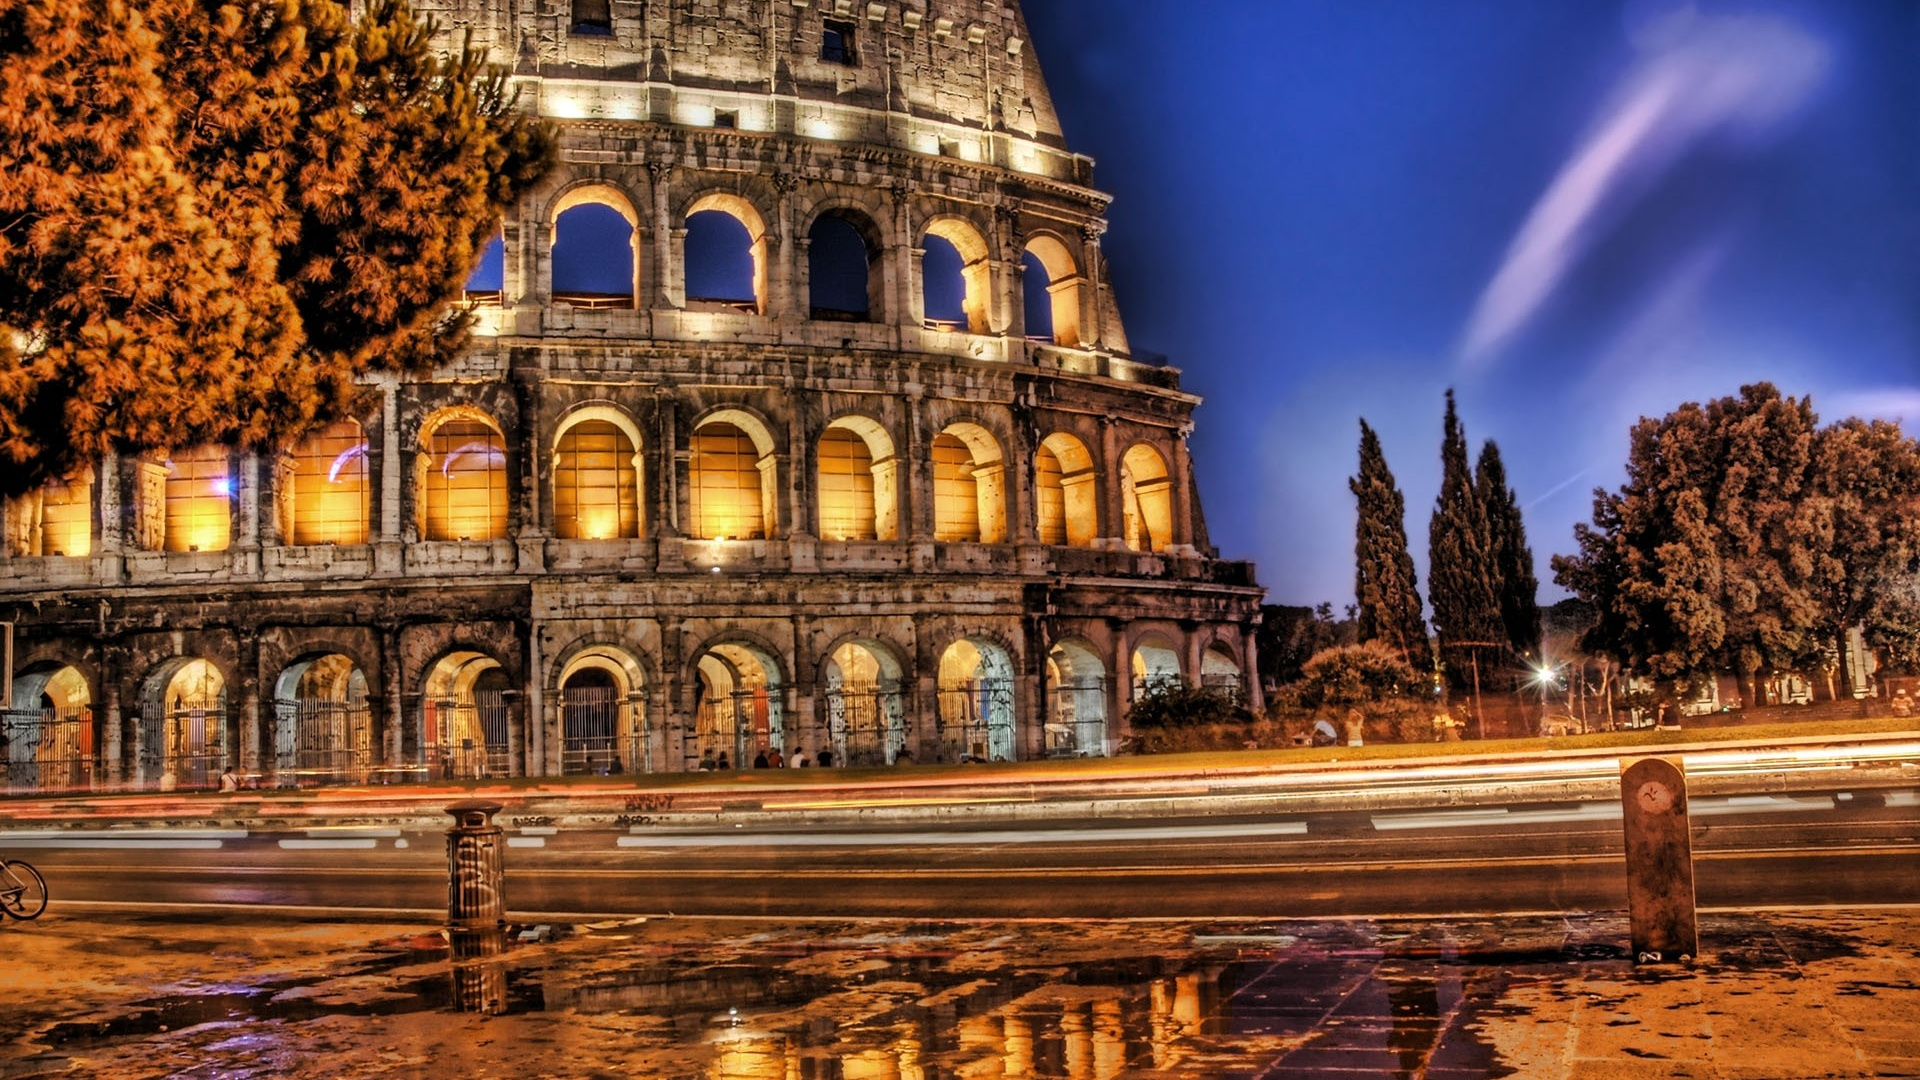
115 993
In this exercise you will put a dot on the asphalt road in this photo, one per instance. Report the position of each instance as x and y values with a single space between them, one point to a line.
1759 851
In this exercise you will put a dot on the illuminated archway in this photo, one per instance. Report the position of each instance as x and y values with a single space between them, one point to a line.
185 742
51 736
976 701
866 713
462 467
858 482
465 720
1077 705
1146 494
725 258
55 519
1220 672
332 494
595 259
323 729
200 499
737 712
1065 487
973 284
1155 665
731 482
1052 285
603 719
596 477
969 486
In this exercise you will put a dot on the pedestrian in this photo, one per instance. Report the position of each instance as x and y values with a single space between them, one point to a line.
706 760
775 759
760 760
826 758
721 763
228 781
903 756
800 760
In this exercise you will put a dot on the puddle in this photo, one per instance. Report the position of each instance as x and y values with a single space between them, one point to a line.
1044 1001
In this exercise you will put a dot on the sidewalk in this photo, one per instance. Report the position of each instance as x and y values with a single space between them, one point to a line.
117 994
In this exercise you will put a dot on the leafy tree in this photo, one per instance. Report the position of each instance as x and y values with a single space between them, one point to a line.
1864 503
1704 559
221 262
1385 583
1507 547
1288 636
1462 576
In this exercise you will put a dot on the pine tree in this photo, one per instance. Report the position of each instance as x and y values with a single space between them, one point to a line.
1385 583
297 209
1461 571
1507 545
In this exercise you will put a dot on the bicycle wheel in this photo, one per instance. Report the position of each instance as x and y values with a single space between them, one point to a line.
23 892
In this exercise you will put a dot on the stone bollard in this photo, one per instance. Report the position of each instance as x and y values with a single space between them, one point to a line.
476 872
1660 900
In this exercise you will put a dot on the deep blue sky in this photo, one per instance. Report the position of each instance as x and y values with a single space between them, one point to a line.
1575 212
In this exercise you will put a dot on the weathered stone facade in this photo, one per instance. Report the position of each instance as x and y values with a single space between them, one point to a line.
638 530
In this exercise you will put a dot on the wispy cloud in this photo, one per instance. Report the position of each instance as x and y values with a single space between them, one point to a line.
1736 79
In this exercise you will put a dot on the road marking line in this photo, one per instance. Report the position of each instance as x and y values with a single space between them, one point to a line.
344 842
527 841
642 838
115 842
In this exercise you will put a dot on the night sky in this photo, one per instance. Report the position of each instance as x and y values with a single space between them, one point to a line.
1575 212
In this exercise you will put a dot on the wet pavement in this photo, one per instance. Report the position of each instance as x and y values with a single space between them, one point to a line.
115 993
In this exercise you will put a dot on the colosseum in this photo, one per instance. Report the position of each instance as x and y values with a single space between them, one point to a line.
799 416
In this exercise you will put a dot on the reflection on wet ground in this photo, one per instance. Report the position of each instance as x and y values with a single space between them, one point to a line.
891 1001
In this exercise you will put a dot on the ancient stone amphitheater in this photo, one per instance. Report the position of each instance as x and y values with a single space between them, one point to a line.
800 417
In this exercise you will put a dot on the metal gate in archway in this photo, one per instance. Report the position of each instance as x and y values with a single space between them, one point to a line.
726 729
592 741
866 726
1077 722
48 749
976 720
194 747
332 741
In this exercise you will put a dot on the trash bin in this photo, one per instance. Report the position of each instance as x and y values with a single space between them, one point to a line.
476 873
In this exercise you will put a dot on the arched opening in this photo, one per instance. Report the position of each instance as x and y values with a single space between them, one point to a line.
866 713
200 500
323 729
604 726
737 709
596 481
1077 705
463 482
842 254
954 278
465 730
1220 672
595 238
969 487
1050 284
858 482
976 702
1146 494
185 741
731 482
1156 666
1065 488
332 494
487 285
49 739
726 255
55 520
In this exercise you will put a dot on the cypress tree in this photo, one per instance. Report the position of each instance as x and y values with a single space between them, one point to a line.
1385 584
1461 579
1507 545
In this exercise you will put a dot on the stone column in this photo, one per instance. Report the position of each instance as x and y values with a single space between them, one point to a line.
1093 330
1112 510
1250 670
113 533
675 698
253 684
1183 505
1121 698
246 551
661 268
393 714
783 301
923 711
389 548
803 729
519 750
112 731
